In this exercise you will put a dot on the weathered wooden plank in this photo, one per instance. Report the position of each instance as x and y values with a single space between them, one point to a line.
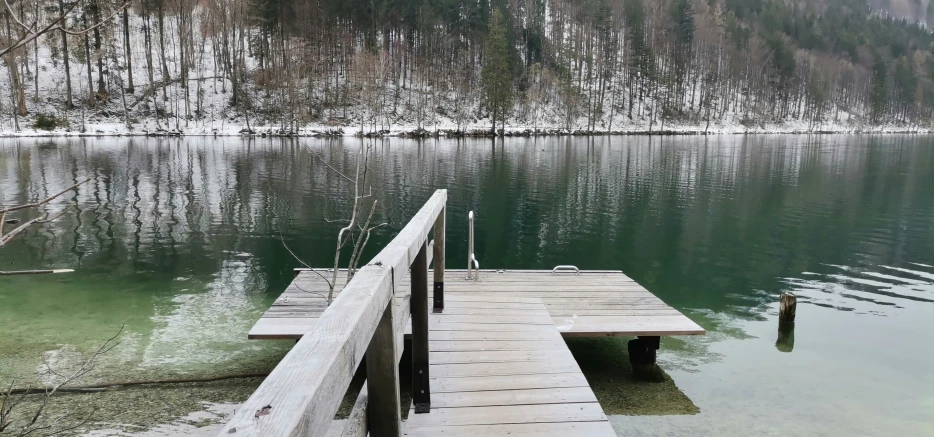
491 319
553 365
281 329
492 327
492 398
401 324
548 279
547 413
640 312
592 310
356 423
461 311
538 271
497 287
461 304
506 345
491 335
476 297
565 429
382 375
305 389
590 326
559 294
464 357
509 382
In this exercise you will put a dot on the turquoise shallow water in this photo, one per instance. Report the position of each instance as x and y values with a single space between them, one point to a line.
179 239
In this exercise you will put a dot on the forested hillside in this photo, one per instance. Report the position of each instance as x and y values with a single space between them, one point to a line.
375 65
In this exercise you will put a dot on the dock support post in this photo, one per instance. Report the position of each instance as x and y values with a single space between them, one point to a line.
421 394
440 231
382 379
642 354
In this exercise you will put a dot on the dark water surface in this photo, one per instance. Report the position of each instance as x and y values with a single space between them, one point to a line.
180 240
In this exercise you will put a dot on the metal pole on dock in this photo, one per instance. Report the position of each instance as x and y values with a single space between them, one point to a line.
472 263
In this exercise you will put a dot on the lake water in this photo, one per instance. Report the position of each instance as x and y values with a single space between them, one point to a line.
180 240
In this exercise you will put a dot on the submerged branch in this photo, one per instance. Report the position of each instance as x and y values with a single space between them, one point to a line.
111 386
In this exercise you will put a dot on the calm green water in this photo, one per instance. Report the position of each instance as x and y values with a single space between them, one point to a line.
180 241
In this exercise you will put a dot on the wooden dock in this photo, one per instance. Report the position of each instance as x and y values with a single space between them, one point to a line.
582 304
488 358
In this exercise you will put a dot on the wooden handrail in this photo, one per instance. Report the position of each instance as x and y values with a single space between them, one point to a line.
302 394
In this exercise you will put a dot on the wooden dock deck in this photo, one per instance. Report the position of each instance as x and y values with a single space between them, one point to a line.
498 363
504 374
585 304
487 359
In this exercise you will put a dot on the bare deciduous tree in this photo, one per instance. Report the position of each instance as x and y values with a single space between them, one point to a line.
357 231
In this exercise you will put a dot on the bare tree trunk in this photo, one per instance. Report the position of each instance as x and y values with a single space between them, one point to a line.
69 103
16 86
87 55
127 48
101 88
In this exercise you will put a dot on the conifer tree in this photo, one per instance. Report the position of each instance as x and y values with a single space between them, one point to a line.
497 74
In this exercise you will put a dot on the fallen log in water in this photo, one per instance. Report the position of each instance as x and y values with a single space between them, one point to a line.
120 385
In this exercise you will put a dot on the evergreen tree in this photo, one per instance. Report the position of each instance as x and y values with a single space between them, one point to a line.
879 90
497 71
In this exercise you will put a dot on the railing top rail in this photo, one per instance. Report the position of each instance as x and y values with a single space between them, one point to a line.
302 394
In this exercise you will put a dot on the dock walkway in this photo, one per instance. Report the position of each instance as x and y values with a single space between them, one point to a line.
505 374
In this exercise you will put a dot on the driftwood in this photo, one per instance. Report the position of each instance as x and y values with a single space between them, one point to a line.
6 238
111 386
34 272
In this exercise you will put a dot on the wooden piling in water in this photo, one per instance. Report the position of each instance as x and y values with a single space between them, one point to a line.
788 303
642 354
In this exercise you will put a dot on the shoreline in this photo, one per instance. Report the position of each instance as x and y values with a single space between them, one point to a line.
449 133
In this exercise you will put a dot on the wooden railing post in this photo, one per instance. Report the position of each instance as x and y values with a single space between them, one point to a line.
382 379
440 232
421 394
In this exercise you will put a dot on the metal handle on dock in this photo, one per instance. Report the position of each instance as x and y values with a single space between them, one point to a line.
471 258
559 269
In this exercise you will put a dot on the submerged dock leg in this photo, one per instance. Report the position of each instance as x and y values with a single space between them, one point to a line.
642 353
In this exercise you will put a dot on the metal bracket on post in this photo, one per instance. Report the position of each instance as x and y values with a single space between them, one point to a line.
438 297
422 393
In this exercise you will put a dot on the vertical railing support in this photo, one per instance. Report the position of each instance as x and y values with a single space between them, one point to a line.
421 394
470 245
382 379
440 232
